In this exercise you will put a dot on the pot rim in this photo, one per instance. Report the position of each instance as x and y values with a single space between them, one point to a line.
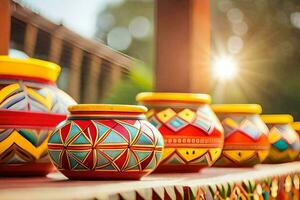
107 108
19 68
170 97
237 108
296 126
277 118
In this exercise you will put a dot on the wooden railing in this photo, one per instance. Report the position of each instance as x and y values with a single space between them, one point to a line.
89 68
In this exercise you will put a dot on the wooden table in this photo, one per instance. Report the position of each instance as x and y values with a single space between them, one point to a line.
282 180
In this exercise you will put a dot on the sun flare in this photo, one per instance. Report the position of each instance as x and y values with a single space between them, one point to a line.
224 68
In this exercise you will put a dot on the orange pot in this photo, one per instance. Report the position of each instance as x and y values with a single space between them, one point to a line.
246 142
192 133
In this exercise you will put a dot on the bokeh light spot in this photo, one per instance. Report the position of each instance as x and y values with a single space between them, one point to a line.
240 28
295 19
235 15
106 21
225 5
119 38
140 27
235 44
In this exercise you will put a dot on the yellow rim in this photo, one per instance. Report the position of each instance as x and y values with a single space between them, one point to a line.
175 97
277 119
296 126
237 108
29 67
107 108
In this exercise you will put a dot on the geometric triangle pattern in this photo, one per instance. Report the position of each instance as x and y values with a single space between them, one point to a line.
246 140
285 143
265 188
193 136
247 125
132 146
188 159
241 158
178 119
80 139
74 130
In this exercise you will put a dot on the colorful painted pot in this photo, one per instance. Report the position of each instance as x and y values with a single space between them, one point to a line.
283 138
296 127
246 136
30 107
105 142
192 133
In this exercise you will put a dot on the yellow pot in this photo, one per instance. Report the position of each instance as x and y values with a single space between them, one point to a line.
192 133
246 141
285 143
31 105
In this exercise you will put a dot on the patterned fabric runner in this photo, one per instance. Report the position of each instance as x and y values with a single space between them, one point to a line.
262 182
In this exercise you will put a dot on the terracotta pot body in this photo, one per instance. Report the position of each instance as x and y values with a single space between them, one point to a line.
106 142
246 136
193 135
31 106
285 144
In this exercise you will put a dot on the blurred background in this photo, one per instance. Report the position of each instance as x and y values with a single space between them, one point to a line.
255 48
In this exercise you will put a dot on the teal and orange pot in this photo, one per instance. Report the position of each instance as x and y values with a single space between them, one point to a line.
285 143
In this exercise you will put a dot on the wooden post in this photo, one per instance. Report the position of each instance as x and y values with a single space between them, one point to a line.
30 39
91 91
75 72
55 49
182 46
4 26
115 74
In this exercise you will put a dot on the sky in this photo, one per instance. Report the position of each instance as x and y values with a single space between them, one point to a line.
77 15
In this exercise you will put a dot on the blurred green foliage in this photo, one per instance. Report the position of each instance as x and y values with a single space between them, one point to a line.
269 60
139 80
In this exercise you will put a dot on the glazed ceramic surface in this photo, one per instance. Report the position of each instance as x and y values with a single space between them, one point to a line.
193 135
283 138
296 127
28 99
246 136
106 142
29 85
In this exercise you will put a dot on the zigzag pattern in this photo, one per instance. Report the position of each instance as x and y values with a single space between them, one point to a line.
241 158
246 142
192 137
176 121
106 145
285 144
190 156
245 125
31 96
24 145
